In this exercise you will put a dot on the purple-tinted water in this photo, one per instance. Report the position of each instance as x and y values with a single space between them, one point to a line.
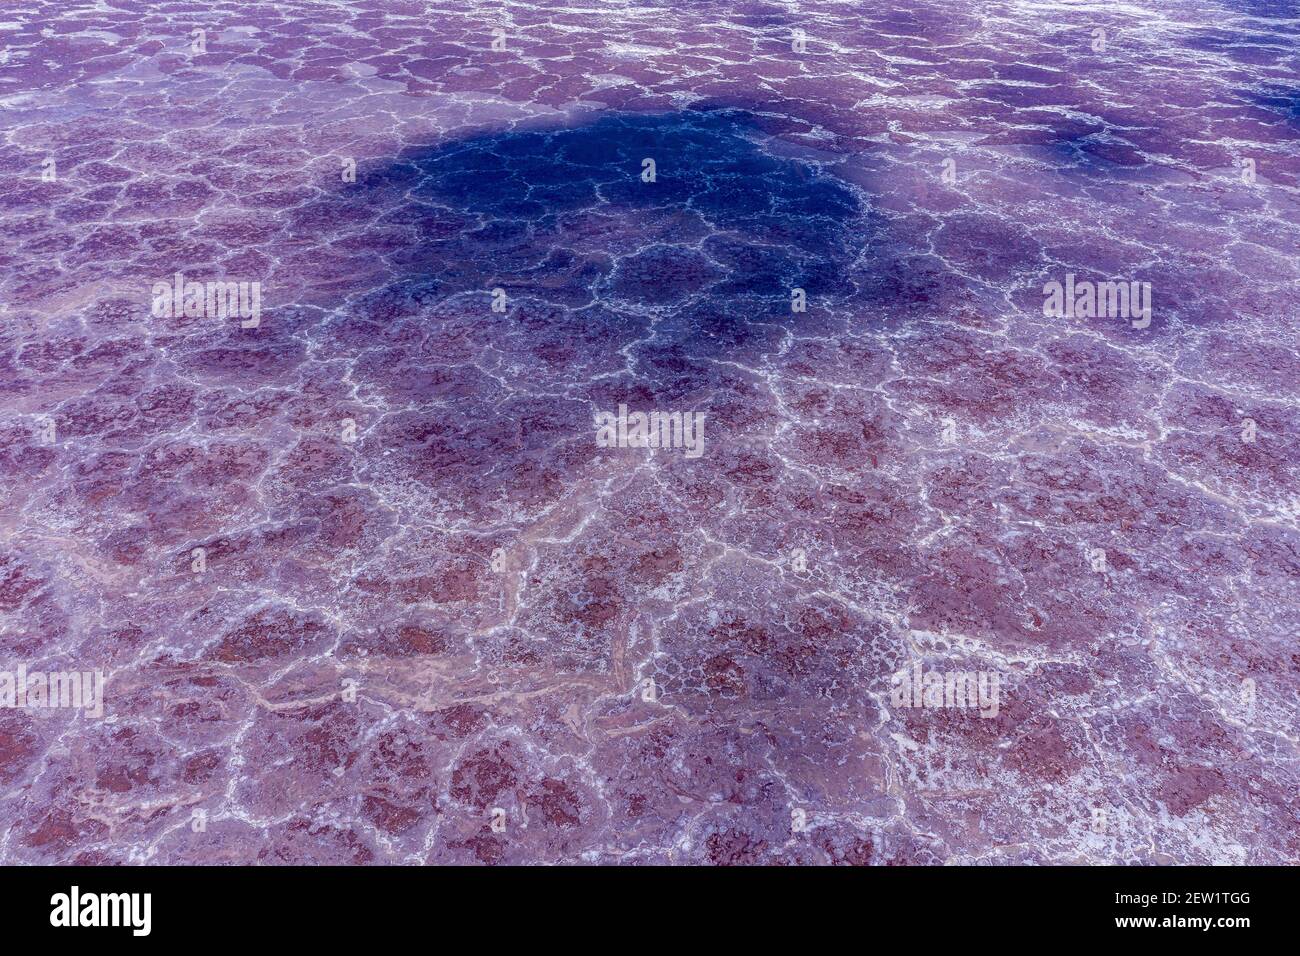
365 583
